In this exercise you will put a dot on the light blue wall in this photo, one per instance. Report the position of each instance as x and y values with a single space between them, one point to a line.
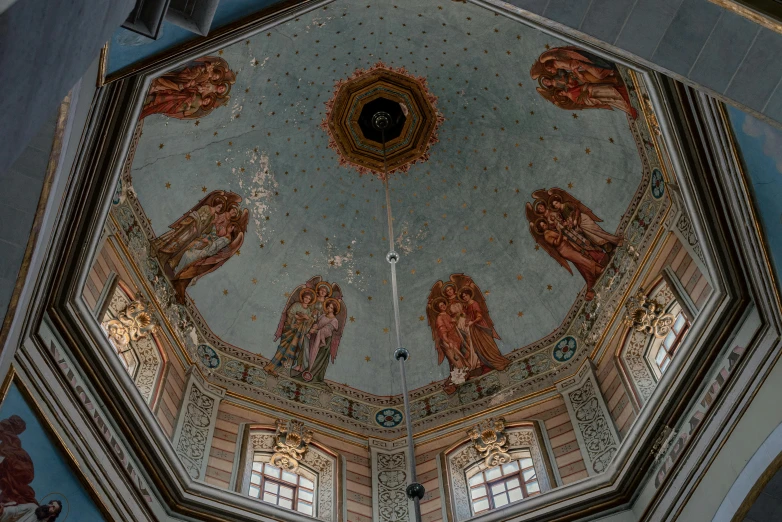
761 149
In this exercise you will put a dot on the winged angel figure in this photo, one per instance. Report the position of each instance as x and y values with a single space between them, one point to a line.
568 230
202 240
575 79
462 329
310 330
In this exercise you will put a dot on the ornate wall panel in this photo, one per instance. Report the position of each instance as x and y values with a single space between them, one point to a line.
389 480
595 431
196 423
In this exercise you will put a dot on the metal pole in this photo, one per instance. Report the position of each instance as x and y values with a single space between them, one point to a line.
414 490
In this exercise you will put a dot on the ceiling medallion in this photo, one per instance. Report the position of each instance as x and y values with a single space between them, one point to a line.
410 119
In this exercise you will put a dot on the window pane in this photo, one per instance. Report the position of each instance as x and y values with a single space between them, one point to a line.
305 495
272 471
268 497
512 483
668 342
679 324
515 495
258 466
477 479
481 505
306 483
270 486
664 365
660 356
533 487
529 474
304 508
500 500
478 492
286 503
493 473
254 492
290 477
507 469
498 488
526 463
286 492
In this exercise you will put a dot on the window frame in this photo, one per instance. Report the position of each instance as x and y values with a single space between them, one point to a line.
656 345
264 459
489 484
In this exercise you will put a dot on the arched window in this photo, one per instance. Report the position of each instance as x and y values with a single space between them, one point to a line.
142 357
312 489
477 488
660 351
504 484
671 341
288 490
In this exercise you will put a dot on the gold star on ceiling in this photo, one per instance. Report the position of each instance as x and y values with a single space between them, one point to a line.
168 185
588 151
548 287
608 181
352 319
253 318
255 281
225 292
367 358
519 277
420 317
160 146
197 123
521 314
203 189
575 116
385 330
570 185
611 140
187 156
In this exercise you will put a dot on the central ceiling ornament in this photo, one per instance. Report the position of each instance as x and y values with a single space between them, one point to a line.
409 114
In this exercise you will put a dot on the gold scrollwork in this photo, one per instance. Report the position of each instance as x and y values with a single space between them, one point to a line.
290 444
648 316
132 324
491 443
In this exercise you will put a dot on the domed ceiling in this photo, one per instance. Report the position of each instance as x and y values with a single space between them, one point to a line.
237 202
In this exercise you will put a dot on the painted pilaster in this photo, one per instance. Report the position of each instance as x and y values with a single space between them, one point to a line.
595 430
389 480
196 423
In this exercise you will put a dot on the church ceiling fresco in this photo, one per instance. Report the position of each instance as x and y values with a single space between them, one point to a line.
519 228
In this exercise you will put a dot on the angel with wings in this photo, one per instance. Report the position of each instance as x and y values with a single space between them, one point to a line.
202 240
462 329
575 79
310 330
568 230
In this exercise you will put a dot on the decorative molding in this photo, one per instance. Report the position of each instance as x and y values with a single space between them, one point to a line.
597 436
290 444
647 316
127 323
466 456
490 442
263 439
196 423
633 354
389 480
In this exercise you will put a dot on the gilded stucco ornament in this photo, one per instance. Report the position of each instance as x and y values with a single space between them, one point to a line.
490 441
648 316
290 444
132 323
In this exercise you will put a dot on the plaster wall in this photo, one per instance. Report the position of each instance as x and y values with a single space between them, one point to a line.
47 46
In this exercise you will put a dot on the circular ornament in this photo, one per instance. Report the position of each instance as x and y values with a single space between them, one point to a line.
209 357
658 184
565 349
389 417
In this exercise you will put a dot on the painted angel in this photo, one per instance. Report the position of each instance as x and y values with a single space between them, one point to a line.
568 230
202 240
462 329
575 79
191 92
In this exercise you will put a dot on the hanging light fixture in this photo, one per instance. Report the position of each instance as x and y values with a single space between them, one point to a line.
382 121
